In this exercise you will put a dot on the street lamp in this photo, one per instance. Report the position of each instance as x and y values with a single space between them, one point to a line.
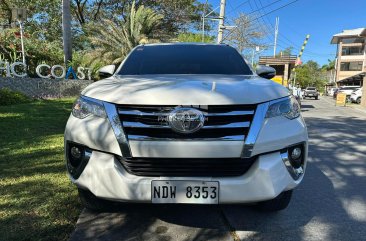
19 15
257 50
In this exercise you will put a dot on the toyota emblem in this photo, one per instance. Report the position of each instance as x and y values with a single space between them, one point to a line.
186 120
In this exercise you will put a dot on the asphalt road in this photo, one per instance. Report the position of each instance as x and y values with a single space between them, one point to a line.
330 204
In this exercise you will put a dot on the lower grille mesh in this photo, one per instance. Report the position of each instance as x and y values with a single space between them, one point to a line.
182 167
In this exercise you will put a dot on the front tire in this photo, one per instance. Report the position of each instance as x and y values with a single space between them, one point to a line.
358 101
277 204
90 201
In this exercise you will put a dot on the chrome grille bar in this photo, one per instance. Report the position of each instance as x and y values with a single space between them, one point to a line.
231 113
224 138
231 125
141 113
141 125
222 122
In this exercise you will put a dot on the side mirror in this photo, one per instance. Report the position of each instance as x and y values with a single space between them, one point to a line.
106 71
266 72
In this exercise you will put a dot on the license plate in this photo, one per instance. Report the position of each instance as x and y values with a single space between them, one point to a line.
198 192
311 94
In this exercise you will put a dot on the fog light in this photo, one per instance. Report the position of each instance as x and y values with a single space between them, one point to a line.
75 152
296 153
77 157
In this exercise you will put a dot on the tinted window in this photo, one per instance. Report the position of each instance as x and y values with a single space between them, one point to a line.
311 89
351 66
185 59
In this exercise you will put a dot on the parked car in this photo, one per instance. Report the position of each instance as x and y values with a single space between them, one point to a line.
356 96
311 92
348 91
175 124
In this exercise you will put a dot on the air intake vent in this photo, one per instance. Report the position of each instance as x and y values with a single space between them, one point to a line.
184 167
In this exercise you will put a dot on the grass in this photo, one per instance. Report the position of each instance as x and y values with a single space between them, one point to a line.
9 97
37 201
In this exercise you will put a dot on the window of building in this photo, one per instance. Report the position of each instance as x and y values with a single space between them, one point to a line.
354 50
351 66
353 40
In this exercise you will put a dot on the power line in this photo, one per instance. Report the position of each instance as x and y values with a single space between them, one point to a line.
241 4
290 42
263 7
266 28
274 10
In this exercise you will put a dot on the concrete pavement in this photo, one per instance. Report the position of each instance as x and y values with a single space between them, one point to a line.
330 204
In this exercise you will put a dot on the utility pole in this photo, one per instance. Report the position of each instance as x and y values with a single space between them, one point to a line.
203 21
276 35
221 21
66 31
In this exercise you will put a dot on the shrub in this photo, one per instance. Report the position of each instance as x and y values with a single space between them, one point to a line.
10 97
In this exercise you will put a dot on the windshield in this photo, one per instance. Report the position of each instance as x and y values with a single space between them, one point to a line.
310 88
185 59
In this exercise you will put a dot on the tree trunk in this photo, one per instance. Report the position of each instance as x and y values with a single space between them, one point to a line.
66 31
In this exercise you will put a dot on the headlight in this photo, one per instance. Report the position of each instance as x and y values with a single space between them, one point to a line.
85 106
287 107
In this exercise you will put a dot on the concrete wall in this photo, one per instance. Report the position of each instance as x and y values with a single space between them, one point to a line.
45 88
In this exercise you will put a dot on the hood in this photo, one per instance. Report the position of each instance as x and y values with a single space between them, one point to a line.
185 90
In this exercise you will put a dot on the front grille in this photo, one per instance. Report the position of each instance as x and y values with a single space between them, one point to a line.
184 167
221 122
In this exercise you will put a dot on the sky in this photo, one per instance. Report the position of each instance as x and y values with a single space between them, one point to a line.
319 18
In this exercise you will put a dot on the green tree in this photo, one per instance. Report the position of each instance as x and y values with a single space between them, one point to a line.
285 52
113 41
37 50
194 37
43 17
329 66
310 74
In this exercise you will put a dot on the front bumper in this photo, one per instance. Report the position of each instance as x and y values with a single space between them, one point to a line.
106 178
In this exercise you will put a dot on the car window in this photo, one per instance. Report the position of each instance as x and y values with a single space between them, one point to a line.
311 88
185 59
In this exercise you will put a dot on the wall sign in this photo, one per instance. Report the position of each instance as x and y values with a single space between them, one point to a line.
56 71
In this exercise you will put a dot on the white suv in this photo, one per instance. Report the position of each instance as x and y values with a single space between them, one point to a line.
186 123
356 95
348 91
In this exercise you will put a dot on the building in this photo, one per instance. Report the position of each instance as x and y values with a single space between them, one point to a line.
351 56
283 64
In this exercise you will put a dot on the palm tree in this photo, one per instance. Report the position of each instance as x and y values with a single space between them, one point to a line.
66 31
115 39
